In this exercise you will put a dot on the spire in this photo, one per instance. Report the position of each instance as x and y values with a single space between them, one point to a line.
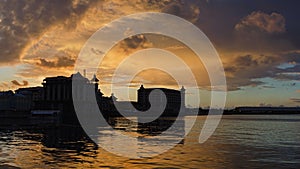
142 87
78 76
94 79
113 97
84 72
182 89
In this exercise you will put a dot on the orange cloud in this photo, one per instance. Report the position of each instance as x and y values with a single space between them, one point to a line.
15 82
59 62
270 23
19 31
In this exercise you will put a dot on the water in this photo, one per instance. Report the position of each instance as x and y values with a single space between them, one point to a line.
240 141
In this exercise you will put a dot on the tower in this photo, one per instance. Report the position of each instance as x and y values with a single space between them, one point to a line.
182 94
95 81
141 95
113 97
84 72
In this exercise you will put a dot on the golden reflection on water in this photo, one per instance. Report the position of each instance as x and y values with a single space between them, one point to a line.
236 143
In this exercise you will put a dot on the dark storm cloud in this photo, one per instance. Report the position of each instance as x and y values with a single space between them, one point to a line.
218 19
244 63
237 83
293 56
293 72
230 69
21 21
15 82
289 75
246 69
295 69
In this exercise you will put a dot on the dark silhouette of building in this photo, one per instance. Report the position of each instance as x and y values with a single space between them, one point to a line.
266 110
57 88
14 104
175 99
33 93
59 92
5 100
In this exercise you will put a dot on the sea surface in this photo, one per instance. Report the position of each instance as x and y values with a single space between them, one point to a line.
240 141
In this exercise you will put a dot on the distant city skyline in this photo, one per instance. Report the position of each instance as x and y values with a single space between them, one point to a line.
258 43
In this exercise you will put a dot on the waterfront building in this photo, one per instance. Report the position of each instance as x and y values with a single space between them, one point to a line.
266 110
34 94
58 94
5 100
175 99
14 102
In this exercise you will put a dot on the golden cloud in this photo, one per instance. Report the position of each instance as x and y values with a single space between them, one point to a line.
15 82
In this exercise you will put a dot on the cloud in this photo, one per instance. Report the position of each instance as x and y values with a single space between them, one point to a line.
246 60
42 25
261 32
244 70
270 23
188 10
59 62
37 73
135 42
292 57
97 52
265 105
23 21
295 100
247 70
290 73
53 59
4 85
268 87
15 82
288 76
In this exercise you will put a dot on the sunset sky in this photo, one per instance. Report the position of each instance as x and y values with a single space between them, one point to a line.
258 43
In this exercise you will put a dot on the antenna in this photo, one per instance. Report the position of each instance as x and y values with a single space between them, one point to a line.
84 72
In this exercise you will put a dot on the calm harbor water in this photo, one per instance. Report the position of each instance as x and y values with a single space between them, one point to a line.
240 141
